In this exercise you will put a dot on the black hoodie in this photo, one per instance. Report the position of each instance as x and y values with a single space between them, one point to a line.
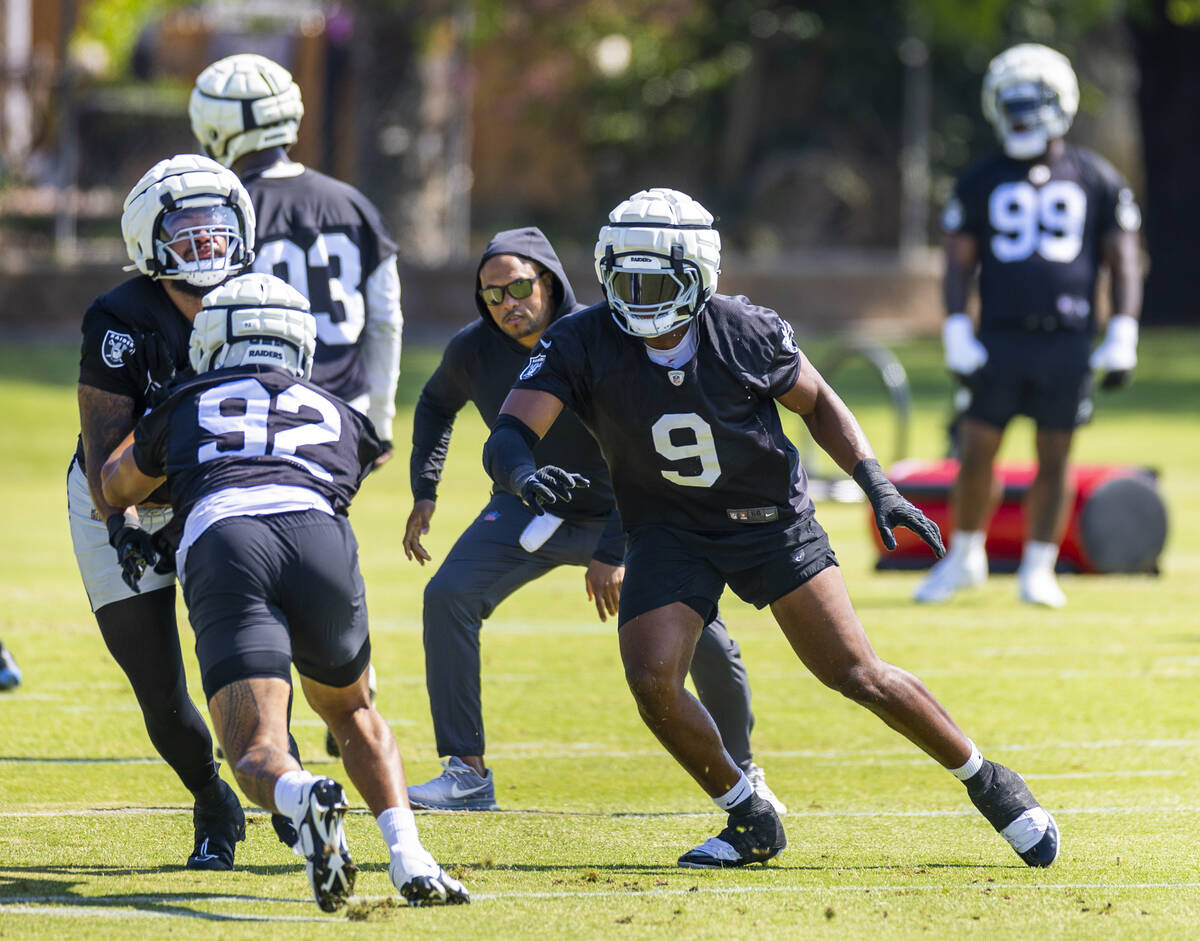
480 365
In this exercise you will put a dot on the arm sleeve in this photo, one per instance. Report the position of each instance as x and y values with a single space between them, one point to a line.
381 344
508 453
444 395
611 547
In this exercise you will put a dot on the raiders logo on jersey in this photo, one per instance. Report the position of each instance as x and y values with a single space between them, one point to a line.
114 347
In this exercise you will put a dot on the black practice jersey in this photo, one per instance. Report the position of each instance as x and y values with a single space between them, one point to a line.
1040 226
135 341
250 426
325 239
693 447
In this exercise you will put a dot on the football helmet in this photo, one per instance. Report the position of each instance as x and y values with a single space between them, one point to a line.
188 219
657 260
1030 96
244 103
254 319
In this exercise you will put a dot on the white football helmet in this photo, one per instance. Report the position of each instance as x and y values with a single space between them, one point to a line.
658 260
189 219
254 319
1030 96
244 103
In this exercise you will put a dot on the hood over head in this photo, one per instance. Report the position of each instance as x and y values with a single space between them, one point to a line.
528 242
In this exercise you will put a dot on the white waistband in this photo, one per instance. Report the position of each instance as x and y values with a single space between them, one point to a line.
264 500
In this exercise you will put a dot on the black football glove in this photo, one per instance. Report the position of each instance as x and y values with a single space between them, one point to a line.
891 509
550 484
135 549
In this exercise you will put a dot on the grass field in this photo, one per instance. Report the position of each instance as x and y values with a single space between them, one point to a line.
1096 704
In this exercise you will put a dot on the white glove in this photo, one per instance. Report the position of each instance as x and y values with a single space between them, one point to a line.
1118 352
964 353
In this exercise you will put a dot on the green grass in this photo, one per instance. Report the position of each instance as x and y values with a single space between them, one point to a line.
1096 704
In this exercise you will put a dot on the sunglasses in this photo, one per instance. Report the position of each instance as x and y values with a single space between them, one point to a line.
518 290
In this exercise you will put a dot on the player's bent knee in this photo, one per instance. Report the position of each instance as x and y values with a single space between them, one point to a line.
654 690
863 683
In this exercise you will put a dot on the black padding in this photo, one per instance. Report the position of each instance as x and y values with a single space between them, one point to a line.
1123 525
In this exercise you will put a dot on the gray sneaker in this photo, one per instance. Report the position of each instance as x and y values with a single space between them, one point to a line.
458 787
758 781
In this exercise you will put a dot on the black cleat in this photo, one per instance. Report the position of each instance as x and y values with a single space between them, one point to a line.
286 831
330 870
748 838
1006 802
218 826
332 749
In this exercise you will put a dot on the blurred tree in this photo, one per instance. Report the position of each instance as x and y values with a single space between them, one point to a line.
1167 40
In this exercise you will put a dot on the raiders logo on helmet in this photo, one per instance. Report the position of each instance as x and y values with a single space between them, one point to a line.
114 347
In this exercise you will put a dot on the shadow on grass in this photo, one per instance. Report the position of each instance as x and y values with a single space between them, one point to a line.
26 885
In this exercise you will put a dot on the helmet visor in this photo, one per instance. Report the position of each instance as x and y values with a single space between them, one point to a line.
637 289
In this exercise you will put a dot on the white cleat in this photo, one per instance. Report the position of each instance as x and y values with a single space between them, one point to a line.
958 570
1040 587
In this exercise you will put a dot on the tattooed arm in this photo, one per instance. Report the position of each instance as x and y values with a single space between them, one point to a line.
105 418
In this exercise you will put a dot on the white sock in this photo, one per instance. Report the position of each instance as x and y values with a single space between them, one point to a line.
965 542
1039 556
735 795
289 792
972 766
399 829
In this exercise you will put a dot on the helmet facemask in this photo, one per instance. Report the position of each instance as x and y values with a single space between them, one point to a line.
650 294
657 259
1029 117
201 245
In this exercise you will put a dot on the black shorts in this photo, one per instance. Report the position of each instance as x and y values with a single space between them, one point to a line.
761 563
264 592
1042 375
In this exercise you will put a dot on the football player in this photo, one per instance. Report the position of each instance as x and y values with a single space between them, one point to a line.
1036 222
262 466
188 225
520 289
679 385
320 235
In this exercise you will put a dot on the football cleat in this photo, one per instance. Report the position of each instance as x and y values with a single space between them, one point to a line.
286 831
218 826
423 882
758 782
1039 586
328 865
10 673
458 787
958 570
747 838
1006 802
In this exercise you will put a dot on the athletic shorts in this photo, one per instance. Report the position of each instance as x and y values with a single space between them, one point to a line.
761 563
264 592
96 558
1042 375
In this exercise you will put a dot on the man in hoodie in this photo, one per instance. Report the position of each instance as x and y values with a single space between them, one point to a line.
520 290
